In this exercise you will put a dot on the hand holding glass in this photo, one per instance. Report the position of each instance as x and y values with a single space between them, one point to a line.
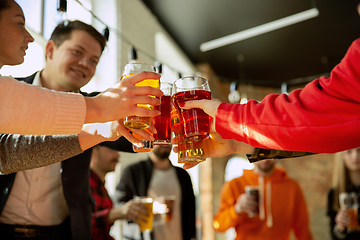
349 202
195 122
188 151
130 70
253 191
190 126
148 202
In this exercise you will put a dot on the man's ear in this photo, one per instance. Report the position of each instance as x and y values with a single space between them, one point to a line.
49 49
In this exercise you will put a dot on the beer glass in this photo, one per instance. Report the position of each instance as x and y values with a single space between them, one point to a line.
188 150
195 122
253 191
349 202
148 145
163 208
163 121
148 225
130 70
169 201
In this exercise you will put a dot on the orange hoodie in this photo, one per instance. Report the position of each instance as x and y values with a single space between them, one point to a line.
282 208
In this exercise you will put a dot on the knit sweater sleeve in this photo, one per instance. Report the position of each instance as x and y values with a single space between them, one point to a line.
320 118
23 152
27 109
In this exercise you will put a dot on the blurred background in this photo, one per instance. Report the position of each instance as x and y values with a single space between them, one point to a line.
250 47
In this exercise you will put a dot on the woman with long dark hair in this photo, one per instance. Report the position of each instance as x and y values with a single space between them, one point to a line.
346 179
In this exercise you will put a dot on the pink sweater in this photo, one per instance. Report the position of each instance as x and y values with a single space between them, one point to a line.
323 117
27 109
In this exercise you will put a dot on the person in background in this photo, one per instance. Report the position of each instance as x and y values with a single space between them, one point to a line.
103 161
280 206
54 202
40 111
157 177
346 178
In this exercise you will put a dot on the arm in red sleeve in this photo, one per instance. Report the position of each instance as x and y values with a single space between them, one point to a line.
324 117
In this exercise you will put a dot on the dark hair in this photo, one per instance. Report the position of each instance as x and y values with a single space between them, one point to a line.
4 4
63 32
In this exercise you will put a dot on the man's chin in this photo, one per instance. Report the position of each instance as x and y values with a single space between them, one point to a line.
76 84
16 62
266 168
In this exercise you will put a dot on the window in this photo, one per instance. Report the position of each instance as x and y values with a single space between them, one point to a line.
166 52
33 14
74 12
42 17
235 166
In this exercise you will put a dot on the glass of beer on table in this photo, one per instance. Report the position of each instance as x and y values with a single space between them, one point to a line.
349 202
129 70
146 226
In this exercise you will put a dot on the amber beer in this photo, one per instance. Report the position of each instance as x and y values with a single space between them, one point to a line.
169 202
349 202
195 121
163 208
130 70
188 151
354 225
162 122
148 225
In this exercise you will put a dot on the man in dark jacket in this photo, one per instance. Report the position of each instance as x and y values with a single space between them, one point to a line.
156 177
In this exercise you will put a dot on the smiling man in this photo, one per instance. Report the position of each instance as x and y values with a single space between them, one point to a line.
54 202
72 55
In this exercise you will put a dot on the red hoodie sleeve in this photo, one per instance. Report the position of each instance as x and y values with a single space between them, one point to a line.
324 117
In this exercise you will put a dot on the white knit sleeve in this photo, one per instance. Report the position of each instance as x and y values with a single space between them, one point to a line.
27 109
